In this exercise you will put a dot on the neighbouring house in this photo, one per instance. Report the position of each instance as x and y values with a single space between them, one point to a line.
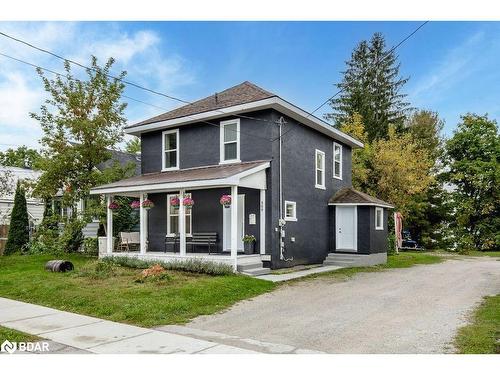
9 177
124 159
286 172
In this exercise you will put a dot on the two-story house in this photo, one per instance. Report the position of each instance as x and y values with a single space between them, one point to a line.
288 175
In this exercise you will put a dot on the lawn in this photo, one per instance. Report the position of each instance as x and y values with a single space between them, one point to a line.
119 298
15 336
482 335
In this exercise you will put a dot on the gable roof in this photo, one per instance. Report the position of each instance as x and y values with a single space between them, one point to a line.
245 92
348 195
208 175
245 97
123 158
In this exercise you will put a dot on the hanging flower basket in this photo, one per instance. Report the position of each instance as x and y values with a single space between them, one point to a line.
188 202
225 200
147 204
113 206
175 202
135 205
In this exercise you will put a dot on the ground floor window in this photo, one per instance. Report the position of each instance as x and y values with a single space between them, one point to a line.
173 217
379 218
290 211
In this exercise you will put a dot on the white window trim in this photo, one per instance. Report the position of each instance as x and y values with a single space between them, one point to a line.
222 143
163 160
379 227
322 185
335 144
294 217
170 234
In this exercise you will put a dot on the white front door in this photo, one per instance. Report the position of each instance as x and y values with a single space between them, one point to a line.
226 231
346 223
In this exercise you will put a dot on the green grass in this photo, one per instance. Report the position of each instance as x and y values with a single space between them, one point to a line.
482 335
15 336
176 300
401 260
484 253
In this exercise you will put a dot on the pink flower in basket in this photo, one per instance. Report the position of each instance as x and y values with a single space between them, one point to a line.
188 202
113 206
135 205
174 201
225 200
147 204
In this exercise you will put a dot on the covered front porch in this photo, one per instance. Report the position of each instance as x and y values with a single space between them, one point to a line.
208 230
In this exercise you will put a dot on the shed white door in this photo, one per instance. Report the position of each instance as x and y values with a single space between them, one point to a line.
226 232
346 221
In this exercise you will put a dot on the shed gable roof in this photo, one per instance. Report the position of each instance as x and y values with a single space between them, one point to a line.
349 195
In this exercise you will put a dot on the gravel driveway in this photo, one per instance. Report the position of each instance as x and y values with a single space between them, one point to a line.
412 310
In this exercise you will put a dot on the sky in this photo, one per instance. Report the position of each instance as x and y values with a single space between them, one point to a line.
452 66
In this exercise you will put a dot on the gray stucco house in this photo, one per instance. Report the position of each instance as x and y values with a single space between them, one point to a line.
287 172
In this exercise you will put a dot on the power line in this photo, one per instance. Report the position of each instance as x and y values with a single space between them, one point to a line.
114 77
128 97
342 89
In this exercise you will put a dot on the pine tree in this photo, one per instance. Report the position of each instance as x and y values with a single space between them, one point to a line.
19 224
372 87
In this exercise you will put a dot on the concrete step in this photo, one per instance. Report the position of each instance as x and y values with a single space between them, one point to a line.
247 266
340 263
256 271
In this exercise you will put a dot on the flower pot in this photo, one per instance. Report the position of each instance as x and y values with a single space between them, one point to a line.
227 206
249 247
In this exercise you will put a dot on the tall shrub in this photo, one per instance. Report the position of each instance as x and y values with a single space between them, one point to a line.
18 236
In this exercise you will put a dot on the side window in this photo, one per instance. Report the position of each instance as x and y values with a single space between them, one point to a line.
320 169
337 161
379 218
290 211
230 141
170 147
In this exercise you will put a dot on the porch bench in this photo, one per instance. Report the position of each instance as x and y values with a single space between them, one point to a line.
209 239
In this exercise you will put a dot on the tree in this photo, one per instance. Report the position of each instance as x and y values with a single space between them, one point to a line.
472 157
81 121
18 236
133 146
22 157
372 88
425 128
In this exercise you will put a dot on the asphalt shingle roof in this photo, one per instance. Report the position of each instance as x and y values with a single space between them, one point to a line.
350 195
245 92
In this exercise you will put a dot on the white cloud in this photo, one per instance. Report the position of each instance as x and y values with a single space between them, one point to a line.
141 53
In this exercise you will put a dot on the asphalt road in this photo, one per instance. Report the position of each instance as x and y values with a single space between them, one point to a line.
412 310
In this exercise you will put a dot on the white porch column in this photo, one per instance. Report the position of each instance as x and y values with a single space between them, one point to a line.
142 224
262 221
109 225
182 224
234 225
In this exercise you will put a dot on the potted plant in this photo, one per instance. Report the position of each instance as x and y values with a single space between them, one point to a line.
225 200
135 205
113 206
249 242
174 201
147 204
188 202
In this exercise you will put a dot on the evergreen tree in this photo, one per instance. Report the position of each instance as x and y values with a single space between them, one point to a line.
18 236
372 87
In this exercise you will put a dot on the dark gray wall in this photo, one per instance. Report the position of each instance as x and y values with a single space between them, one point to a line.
378 238
312 229
207 215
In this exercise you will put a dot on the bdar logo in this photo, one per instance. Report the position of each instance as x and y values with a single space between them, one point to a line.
8 347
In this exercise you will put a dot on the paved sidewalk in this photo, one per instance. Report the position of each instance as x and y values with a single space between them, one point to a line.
86 334
297 274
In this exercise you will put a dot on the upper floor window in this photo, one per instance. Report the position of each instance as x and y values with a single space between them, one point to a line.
170 148
320 169
337 161
230 141
379 218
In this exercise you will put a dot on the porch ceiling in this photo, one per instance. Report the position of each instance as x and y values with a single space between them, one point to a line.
209 176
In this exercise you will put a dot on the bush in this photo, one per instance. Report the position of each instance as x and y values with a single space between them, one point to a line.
72 236
391 244
193 265
91 246
18 237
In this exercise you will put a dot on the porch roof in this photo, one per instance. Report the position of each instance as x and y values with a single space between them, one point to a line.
350 196
207 176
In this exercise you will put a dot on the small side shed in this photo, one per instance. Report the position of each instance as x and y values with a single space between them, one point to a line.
358 223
